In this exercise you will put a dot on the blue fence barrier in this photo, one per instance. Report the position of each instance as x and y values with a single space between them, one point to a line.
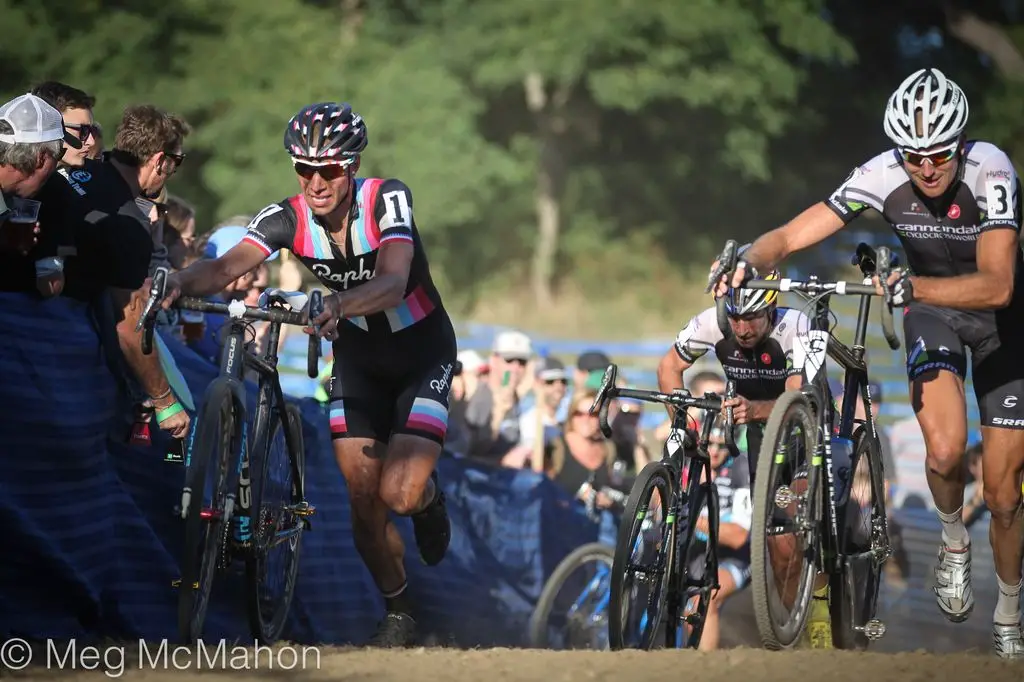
91 543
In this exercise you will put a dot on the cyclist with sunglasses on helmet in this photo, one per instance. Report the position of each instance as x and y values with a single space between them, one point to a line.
757 355
394 344
954 203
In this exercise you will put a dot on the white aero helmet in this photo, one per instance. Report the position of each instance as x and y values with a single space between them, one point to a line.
940 103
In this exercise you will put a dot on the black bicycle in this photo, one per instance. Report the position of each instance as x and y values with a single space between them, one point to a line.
806 454
242 499
657 563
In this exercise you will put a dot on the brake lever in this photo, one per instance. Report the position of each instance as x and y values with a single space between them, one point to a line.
884 260
601 400
156 293
726 263
730 393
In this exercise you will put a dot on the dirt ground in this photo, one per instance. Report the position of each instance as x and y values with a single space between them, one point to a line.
512 665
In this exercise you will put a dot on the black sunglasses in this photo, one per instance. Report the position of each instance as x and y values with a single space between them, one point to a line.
84 130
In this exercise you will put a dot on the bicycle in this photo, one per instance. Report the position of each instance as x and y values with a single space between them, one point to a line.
683 482
249 502
827 455
585 619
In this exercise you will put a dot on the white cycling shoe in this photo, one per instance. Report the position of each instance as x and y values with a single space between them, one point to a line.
1008 641
953 591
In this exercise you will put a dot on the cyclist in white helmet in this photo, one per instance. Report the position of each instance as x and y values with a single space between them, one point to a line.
955 206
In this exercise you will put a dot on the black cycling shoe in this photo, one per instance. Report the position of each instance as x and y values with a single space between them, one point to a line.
432 527
395 630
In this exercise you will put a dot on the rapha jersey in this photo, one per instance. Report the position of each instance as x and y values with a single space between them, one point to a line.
939 236
760 373
383 214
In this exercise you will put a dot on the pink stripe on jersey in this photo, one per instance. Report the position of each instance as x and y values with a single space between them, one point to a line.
368 197
302 245
257 243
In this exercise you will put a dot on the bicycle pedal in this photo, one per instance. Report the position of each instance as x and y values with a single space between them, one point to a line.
304 509
874 629
176 583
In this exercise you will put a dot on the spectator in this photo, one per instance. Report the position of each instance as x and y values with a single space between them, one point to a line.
32 140
118 246
700 383
492 414
473 368
581 458
551 385
75 106
179 230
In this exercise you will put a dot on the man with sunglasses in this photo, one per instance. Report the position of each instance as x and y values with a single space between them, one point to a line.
758 357
75 106
394 351
955 206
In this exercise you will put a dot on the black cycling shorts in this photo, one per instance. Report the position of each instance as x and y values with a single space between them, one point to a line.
396 385
937 338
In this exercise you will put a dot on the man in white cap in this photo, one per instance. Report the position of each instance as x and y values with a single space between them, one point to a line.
32 138
492 414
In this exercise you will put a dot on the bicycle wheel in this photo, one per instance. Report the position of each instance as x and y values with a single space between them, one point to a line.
863 545
273 566
783 569
645 546
699 573
576 598
218 439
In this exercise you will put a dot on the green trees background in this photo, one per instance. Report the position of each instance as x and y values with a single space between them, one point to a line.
583 150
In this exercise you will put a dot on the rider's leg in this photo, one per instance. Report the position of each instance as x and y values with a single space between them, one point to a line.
409 482
936 365
730 581
999 385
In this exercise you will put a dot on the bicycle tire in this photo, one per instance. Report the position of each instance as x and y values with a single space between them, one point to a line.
204 538
706 494
772 637
266 624
653 477
854 589
579 557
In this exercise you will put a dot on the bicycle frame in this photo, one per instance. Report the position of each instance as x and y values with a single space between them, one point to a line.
233 365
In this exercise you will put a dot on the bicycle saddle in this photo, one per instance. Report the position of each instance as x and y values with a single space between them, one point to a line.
296 300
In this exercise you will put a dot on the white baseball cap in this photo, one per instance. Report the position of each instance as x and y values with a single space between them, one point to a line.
33 120
472 362
513 345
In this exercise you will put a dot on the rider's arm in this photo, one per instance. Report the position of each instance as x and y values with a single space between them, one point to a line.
997 193
393 212
694 340
734 527
860 191
206 277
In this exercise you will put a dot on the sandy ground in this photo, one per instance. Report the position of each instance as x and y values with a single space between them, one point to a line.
510 665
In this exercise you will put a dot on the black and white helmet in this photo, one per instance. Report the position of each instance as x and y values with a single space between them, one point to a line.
324 132
929 99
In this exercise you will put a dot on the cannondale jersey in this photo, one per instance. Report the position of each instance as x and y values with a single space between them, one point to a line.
759 373
939 236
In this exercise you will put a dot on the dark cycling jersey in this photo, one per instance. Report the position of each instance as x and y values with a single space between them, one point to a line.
940 240
383 214
760 373
392 369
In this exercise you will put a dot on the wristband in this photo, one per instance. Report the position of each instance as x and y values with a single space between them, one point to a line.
168 412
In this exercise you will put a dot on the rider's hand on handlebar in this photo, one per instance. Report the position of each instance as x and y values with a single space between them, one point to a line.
171 292
901 288
328 320
741 410
724 282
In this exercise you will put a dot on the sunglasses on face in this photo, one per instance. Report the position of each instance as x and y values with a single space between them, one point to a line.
178 159
517 361
551 382
327 171
83 130
937 157
583 413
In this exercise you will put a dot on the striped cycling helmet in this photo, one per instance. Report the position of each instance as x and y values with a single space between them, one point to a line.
747 301
325 131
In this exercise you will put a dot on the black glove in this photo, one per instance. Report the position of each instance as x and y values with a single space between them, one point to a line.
901 292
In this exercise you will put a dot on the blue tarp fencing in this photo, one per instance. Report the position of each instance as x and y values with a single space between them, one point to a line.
91 544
